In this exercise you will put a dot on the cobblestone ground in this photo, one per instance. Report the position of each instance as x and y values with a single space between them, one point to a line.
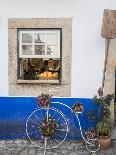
24 147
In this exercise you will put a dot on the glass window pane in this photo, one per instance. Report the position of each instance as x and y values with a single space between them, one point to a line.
35 69
39 38
39 50
27 49
52 49
27 38
52 39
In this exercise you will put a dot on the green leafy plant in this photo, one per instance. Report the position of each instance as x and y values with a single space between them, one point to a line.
103 128
104 125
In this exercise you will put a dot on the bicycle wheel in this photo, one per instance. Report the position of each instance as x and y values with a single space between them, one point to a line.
93 145
42 138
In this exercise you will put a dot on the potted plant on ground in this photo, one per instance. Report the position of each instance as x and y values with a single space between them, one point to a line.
104 126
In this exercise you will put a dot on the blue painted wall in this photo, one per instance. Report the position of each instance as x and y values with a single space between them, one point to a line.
14 112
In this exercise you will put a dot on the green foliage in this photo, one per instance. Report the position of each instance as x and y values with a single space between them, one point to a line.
104 125
103 128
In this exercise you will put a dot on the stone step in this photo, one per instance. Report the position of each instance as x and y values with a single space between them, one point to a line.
113 134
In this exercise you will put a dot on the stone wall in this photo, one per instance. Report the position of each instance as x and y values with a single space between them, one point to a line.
63 89
109 83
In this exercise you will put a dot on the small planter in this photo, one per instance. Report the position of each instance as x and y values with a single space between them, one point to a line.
43 100
105 142
77 108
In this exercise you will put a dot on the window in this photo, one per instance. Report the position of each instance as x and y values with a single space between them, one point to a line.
39 55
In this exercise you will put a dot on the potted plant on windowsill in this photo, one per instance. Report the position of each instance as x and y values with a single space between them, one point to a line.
104 126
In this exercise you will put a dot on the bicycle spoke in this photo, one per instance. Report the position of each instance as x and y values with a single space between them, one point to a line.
47 113
32 126
58 119
56 141
42 115
37 117
63 124
59 135
61 129
33 132
54 114
34 122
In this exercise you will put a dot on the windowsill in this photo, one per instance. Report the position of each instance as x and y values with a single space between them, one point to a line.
38 82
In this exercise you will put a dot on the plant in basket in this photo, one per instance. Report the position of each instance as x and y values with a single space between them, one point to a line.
77 107
48 127
43 100
91 133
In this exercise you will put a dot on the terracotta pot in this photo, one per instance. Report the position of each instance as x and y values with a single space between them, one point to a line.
105 142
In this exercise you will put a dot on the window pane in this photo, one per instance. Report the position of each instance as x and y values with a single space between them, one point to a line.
52 49
52 39
39 38
27 49
27 38
39 69
39 50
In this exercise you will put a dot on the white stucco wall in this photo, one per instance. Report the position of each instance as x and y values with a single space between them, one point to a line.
87 44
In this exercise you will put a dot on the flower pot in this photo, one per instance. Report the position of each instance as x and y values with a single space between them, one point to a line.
105 142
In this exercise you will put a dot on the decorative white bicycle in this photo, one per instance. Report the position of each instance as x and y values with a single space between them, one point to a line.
47 128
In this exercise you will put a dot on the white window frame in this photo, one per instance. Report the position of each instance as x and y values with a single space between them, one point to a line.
45 31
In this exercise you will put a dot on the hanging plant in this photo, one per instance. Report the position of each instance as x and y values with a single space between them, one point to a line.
48 127
77 107
91 133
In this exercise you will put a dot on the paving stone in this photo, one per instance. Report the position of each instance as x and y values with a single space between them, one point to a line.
73 144
32 151
101 152
3 143
24 151
19 145
11 145
40 152
80 152
70 147
62 147
1 152
73 153
109 151
50 153
23 147
93 153
26 141
9 142
15 152
7 152
18 141
64 152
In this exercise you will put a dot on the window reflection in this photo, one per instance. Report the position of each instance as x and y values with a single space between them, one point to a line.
27 49
27 38
39 38
39 50
51 50
52 39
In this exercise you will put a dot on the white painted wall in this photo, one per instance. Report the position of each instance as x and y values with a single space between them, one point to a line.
87 44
